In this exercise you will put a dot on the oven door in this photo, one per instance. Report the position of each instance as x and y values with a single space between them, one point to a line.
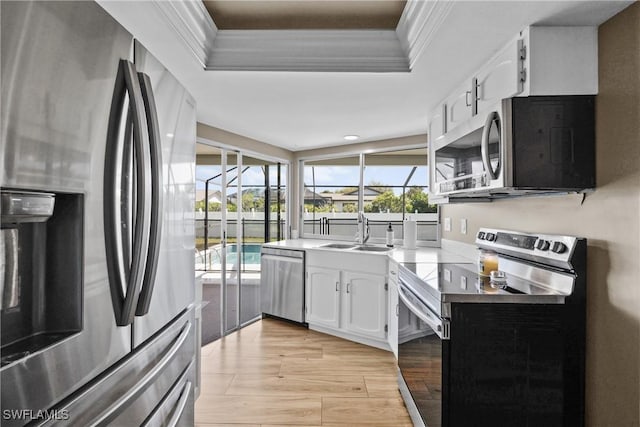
421 336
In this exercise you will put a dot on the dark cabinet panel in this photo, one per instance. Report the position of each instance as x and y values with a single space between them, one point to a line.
515 365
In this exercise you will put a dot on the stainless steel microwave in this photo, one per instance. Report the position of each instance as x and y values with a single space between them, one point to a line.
537 144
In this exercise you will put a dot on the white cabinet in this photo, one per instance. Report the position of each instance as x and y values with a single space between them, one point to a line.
537 61
541 61
323 296
345 302
437 124
365 304
459 106
392 337
502 77
560 61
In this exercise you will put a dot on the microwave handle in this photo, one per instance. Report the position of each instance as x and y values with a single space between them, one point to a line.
484 145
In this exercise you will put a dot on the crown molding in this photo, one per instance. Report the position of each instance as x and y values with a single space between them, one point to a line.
306 50
192 23
419 24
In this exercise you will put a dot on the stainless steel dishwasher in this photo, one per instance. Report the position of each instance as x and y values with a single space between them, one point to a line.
282 283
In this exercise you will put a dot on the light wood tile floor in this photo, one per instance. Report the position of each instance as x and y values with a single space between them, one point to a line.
274 373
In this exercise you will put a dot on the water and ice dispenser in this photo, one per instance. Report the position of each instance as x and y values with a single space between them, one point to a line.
41 254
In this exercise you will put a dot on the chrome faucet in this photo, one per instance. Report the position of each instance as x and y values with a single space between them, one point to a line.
363 232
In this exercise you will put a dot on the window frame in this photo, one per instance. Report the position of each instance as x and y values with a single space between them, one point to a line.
434 217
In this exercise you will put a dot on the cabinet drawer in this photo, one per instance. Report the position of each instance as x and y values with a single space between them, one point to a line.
344 260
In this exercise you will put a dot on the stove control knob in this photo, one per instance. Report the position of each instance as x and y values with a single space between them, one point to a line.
481 235
490 237
558 247
543 245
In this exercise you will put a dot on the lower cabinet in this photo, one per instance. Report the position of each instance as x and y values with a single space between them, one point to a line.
392 335
365 306
323 297
349 304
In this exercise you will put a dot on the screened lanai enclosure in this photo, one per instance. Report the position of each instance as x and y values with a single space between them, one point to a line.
240 204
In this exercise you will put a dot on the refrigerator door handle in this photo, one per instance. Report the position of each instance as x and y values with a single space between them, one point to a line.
180 405
110 413
125 278
155 145
170 416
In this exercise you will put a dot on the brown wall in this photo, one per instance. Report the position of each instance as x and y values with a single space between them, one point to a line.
609 219
221 136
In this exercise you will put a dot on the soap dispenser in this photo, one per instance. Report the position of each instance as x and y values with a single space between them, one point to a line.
389 236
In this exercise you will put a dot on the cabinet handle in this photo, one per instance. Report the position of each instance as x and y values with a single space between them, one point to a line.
444 118
397 310
474 96
393 273
466 98
348 286
337 286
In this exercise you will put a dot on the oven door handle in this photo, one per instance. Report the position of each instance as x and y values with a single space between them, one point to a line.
436 324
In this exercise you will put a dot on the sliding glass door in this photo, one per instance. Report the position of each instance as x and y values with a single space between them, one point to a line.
246 207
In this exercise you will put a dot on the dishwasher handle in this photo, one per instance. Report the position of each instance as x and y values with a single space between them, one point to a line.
285 253
278 258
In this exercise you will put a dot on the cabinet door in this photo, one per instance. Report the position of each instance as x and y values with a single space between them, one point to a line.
459 106
500 78
392 334
323 296
437 125
365 304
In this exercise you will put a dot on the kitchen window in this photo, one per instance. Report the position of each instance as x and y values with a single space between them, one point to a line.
390 187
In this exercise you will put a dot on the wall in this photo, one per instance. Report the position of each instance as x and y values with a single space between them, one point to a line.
243 143
609 219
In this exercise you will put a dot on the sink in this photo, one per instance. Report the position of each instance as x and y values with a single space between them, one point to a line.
338 246
372 248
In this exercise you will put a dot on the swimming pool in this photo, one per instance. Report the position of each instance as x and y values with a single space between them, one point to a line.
250 253
250 257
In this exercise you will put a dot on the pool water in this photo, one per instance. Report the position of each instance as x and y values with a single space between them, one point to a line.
211 259
250 254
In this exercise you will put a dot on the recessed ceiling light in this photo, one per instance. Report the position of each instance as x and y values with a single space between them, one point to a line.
351 137
170 135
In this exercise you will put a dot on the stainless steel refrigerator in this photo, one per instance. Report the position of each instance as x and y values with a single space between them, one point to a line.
97 252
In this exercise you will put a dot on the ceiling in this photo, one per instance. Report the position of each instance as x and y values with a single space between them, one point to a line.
305 14
304 110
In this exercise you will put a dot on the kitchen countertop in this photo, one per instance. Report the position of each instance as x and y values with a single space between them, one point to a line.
459 259
398 253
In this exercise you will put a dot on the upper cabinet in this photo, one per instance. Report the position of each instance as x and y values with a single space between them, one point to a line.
538 61
502 77
459 106
437 122
560 61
